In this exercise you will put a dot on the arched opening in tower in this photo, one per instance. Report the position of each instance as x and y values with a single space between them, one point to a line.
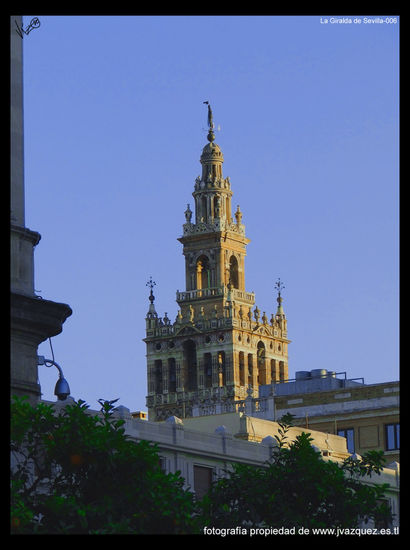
203 274
261 363
190 365
233 272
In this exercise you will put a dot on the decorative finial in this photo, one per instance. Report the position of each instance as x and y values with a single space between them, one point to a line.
188 214
238 215
279 287
211 135
151 284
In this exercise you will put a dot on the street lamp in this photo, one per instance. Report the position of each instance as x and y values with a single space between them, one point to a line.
62 389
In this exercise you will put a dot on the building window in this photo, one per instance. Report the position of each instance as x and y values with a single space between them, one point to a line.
273 370
261 363
241 368
158 376
190 366
233 272
392 437
163 464
203 273
221 369
202 480
349 435
250 369
281 371
172 375
208 370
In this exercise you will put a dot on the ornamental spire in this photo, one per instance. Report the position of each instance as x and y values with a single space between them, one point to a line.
279 287
151 311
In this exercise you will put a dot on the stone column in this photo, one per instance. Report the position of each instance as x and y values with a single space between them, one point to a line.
33 319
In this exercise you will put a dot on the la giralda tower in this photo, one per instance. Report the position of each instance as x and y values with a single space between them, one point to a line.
221 346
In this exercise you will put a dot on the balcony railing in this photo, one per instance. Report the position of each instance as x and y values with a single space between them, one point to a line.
201 293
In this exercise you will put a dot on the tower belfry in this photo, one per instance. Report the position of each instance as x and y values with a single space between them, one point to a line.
219 348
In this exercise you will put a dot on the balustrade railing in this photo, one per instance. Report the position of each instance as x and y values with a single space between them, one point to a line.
201 293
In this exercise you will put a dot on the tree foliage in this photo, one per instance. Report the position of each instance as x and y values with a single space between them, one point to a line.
77 472
74 472
298 488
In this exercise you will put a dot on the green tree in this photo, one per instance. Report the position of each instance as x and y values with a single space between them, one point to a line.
298 488
76 472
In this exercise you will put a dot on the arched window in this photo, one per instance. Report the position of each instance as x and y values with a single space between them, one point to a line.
233 272
273 372
227 209
158 376
172 375
207 370
250 369
261 362
241 368
204 210
203 273
189 365
216 207
221 369
281 371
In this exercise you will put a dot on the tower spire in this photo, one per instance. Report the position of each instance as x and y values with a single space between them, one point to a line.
151 311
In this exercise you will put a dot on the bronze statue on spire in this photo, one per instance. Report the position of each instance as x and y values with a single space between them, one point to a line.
211 135
210 116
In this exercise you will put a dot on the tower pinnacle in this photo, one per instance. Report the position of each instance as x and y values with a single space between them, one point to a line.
211 135
151 311
279 287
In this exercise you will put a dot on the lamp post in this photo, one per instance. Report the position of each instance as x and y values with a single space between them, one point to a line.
62 389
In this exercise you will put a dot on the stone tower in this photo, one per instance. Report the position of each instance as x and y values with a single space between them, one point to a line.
220 347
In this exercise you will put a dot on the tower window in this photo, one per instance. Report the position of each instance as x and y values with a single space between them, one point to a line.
261 362
158 376
221 368
241 368
208 370
204 210
203 273
281 371
250 369
190 365
233 272
273 370
172 375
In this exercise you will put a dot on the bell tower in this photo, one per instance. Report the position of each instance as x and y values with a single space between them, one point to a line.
217 349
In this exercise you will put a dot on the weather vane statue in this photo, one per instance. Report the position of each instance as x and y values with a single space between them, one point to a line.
211 135
210 116
279 287
151 284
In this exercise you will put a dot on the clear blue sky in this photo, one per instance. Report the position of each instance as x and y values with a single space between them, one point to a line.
114 128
